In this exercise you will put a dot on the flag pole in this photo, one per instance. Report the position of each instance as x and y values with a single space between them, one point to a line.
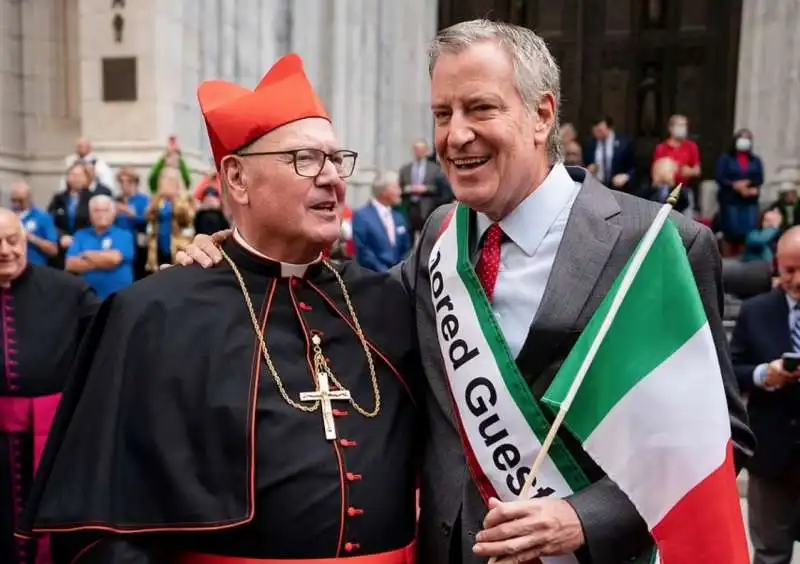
636 263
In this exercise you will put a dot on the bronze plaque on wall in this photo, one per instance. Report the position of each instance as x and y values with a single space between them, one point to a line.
119 79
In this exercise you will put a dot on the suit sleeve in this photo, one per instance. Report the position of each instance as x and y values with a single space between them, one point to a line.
741 356
613 528
707 266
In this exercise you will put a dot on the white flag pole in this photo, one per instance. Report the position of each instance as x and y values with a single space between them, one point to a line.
627 281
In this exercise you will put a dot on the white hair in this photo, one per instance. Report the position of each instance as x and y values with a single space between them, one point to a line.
382 181
102 199
535 68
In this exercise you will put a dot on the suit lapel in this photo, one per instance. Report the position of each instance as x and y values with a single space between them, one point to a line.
582 255
781 321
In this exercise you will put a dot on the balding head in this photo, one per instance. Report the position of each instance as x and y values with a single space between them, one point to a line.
788 256
20 196
82 147
13 247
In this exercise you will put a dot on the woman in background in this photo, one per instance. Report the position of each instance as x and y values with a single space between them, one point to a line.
170 220
132 209
740 174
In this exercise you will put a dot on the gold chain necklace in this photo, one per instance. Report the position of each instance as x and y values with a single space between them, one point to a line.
320 364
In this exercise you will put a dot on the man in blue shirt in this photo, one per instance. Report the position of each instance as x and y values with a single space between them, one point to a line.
103 253
39 226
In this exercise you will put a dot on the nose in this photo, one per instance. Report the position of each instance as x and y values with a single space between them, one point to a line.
460 132
328 176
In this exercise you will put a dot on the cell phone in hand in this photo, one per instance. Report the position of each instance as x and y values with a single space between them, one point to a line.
791 361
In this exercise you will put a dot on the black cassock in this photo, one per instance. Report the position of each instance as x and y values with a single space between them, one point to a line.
43 314
173 430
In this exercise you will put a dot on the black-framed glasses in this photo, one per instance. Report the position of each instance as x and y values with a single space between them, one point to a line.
310 162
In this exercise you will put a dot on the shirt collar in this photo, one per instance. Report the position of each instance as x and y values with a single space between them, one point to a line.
382 208
288 269
530 221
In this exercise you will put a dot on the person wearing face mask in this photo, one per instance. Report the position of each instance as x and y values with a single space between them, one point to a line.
739 175
685 153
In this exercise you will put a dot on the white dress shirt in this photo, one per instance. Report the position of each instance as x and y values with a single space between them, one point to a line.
385 213
603 148
534 230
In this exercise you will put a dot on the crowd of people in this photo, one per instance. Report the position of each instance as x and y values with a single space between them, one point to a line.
108 227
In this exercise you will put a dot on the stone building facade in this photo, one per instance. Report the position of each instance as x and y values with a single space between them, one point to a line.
366 57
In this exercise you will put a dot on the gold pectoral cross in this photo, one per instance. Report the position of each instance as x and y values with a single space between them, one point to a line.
324 395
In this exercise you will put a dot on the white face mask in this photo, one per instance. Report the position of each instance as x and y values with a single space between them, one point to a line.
743 144
679 131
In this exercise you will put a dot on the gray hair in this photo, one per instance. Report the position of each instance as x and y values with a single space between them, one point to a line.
382 181
102 199
535 68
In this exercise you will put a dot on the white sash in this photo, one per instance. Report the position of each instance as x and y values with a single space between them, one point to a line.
501 424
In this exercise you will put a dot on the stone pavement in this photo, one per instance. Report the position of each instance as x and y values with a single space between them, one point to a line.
742 490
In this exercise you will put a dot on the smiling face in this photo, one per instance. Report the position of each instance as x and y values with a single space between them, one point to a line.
283 214
13 247
492 148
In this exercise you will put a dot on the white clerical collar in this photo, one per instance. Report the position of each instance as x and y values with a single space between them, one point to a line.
288 269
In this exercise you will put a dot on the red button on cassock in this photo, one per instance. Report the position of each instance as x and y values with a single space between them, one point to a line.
353 477
304 306
339 413
346 443
354 512
351 546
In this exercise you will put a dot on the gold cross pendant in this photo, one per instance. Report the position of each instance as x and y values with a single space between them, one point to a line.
325 395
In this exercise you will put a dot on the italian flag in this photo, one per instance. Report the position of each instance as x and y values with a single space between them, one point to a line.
642 390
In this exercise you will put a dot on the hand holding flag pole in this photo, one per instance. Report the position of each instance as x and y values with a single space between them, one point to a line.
647 242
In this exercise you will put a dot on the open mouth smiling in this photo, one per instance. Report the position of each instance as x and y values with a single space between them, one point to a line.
469 163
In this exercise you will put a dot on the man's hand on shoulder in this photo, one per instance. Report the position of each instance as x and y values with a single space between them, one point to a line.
522 531
203 250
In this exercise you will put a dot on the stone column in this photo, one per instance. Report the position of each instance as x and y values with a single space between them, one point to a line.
12 131
769 87
788 165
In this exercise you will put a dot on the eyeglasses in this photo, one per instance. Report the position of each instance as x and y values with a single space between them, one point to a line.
310 162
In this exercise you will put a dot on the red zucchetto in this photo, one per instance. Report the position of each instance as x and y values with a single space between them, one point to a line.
236 116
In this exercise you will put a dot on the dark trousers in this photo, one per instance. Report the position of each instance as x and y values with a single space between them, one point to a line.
774 514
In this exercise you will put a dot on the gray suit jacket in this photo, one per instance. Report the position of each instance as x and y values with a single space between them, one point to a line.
603 229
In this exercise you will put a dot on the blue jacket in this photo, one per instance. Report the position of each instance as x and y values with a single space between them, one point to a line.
729 171
374 250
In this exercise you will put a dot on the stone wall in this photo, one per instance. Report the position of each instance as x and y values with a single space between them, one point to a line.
366 57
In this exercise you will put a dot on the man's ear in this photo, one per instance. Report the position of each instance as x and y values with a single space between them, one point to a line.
546 110
234 177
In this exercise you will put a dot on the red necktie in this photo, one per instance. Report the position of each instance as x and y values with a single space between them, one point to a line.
488 266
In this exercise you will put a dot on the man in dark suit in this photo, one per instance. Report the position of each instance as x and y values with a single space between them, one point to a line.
768 327
421 189
610 156
382 237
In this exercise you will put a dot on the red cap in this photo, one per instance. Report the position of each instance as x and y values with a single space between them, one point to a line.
236 116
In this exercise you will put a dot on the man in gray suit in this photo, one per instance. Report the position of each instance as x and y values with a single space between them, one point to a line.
550 240
420 185
546 243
